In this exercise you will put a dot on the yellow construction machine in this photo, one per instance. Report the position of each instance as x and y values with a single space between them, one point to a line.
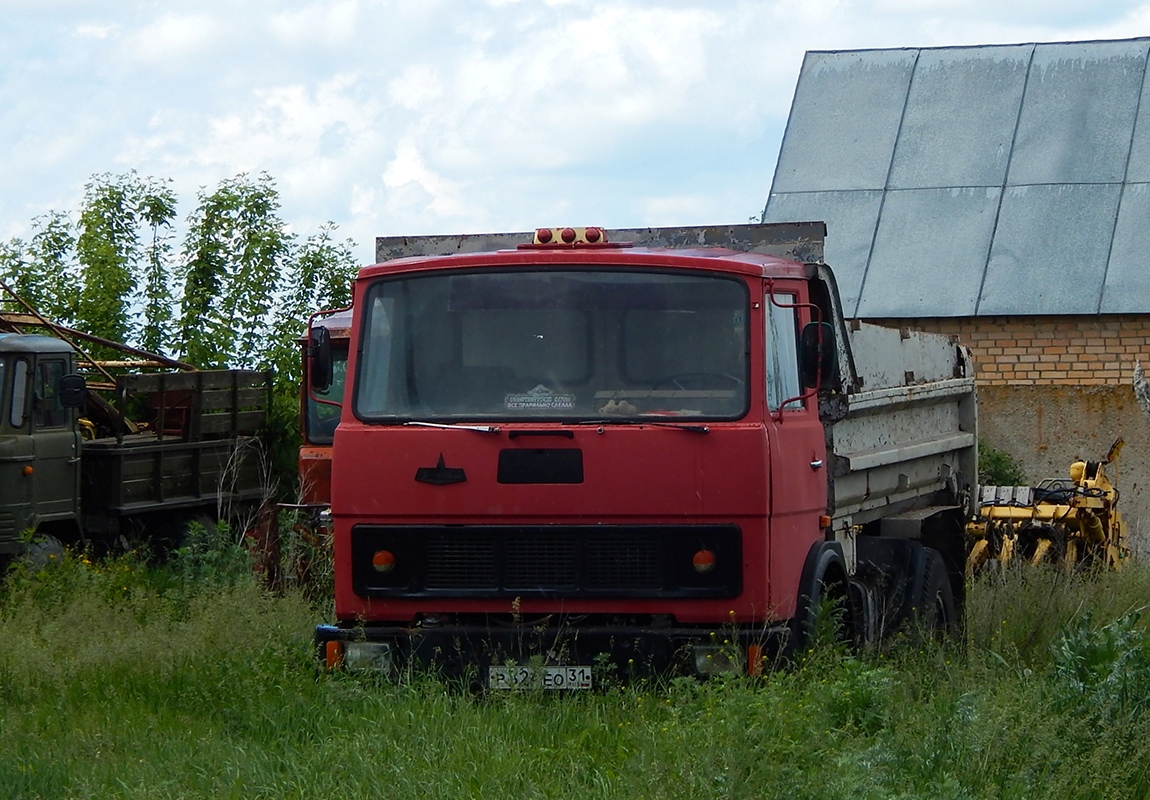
1074 523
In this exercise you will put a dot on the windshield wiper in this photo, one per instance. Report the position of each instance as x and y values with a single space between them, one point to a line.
682 426
451 426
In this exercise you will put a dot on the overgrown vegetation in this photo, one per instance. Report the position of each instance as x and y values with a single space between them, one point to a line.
189 680
235 294
999 468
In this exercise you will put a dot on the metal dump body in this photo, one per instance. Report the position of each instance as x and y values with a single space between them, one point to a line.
902 436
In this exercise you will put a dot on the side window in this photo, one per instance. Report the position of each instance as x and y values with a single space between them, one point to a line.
49 411
19 393
782 353
375 365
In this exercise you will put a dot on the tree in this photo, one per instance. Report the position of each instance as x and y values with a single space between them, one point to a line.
39 270
236 250
121 279
237 296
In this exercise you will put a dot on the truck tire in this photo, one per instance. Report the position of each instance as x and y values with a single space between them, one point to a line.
42 551
935 612
823 588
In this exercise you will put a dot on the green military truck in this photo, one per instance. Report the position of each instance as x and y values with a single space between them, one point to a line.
73 467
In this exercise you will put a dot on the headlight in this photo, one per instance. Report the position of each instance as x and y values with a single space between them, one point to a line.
715 660
368 656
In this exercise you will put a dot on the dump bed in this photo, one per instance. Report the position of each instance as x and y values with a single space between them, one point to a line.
901 437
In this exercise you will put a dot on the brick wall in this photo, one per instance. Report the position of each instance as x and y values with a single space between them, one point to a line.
1026 351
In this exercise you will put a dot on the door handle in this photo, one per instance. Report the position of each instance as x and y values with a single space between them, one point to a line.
817 464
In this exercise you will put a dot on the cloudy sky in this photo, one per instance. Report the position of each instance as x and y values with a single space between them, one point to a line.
451 116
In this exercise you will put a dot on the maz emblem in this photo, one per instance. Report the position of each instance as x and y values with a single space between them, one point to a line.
440 475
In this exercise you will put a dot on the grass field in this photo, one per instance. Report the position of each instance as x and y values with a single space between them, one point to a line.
120 680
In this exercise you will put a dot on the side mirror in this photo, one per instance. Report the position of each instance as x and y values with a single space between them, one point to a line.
73 391
818 356
319 368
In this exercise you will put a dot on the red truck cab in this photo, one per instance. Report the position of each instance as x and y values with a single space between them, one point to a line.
319 413
574 454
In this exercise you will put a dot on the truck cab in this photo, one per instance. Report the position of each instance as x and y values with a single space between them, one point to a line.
319 412
39 439
578 453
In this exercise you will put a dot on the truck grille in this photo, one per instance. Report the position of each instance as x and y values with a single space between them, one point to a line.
547 560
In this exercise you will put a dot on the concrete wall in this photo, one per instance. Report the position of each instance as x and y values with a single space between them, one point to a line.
1048 427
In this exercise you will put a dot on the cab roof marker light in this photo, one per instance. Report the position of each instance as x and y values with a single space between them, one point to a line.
572 237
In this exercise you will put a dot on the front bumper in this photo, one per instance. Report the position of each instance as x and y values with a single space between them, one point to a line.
616 652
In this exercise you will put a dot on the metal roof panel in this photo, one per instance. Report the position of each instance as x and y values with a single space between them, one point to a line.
1057 129
930 253
962 103
844 120
1078 113
1127 287
851 218
1050 250
1138 169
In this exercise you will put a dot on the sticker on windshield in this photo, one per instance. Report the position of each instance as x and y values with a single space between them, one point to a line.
540 399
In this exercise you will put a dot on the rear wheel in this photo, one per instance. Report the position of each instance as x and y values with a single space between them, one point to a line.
935 611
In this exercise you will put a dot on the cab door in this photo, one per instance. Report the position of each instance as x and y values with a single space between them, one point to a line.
796 443
56 443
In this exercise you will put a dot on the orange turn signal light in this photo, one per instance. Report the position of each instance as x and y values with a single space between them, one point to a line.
28 469
754 660
333 655
383 561
703 561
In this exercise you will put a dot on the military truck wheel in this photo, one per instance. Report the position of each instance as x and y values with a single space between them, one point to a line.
42 551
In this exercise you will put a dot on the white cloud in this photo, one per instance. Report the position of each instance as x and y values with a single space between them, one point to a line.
174 39
327 23
393 116
96 31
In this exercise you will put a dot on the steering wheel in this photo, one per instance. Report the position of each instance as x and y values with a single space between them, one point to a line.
699 381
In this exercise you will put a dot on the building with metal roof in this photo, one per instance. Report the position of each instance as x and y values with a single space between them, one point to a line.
1000 194
976 181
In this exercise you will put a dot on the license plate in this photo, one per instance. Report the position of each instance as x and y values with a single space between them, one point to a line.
547 678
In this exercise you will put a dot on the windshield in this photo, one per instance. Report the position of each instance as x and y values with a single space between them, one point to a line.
554 344
322 418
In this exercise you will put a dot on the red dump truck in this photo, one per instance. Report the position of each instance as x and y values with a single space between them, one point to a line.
600 453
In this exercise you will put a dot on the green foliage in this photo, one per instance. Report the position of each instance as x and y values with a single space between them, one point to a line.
237 296
111 684
319 276
211 555
38 270
236 248
1105 669
998 468
118 274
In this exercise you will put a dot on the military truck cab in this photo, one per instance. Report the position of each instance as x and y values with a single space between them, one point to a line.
39 438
